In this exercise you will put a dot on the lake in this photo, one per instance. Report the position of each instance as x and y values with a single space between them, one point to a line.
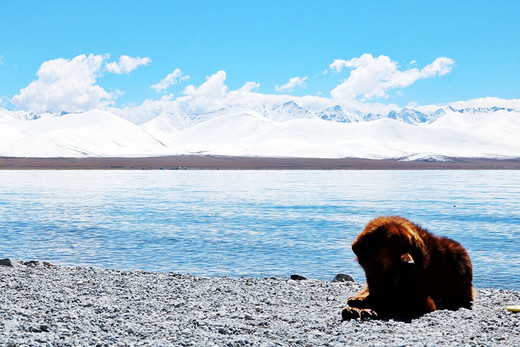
252 223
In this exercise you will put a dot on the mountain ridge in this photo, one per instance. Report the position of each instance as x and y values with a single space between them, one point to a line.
291 110
286 130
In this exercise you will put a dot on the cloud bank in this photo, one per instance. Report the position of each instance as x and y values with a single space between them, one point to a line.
65 85
71 85
374 77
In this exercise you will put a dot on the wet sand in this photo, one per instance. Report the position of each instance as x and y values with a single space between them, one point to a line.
213 162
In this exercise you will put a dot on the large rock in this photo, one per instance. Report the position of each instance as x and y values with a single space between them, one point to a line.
342 278
298 277
8 262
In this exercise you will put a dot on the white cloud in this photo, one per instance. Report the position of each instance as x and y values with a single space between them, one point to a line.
293 82
249 87
338 65
208 96
441 66
65 85
170 80
213 95
1 57
127 64
70 85
373 77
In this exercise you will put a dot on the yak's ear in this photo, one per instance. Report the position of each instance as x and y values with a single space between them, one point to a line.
356 247
406 258
361 246
368 243
360 250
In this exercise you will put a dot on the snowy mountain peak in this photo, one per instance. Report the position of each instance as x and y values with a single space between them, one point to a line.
8 115
410 116
285 112
338 114
474 110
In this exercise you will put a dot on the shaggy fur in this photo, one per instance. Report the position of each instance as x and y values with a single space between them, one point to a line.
409 272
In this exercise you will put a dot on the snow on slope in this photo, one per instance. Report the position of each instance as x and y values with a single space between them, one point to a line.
491 134
89 134
234 134
245 134
9 134
165 126
449 132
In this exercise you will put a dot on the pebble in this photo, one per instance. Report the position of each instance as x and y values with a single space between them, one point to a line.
62 306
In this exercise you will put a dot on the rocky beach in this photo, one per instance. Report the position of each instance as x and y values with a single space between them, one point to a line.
49 305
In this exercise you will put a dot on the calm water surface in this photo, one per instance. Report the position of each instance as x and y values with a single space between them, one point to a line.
252 223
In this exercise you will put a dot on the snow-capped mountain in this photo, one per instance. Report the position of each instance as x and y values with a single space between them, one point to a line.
338 114
410 116
469 110
287 111
288 130
93 133
6 115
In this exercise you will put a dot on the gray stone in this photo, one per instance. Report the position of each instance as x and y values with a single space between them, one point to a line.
45 328
8 262
342 278
33 263
298 277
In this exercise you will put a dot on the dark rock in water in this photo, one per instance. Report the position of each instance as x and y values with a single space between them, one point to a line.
342 278
8 262
298 277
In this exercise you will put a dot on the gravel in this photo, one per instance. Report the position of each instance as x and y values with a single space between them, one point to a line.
42 304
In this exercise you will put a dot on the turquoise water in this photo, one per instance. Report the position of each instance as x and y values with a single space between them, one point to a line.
252 223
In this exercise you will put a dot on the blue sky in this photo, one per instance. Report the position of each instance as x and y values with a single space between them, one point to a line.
268 43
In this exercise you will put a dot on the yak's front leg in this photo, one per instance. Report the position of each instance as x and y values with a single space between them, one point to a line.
359 307
362 300
363 313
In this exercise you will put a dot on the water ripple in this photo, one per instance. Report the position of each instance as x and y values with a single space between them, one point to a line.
252 223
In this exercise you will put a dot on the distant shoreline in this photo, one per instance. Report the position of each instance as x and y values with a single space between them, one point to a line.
219 162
